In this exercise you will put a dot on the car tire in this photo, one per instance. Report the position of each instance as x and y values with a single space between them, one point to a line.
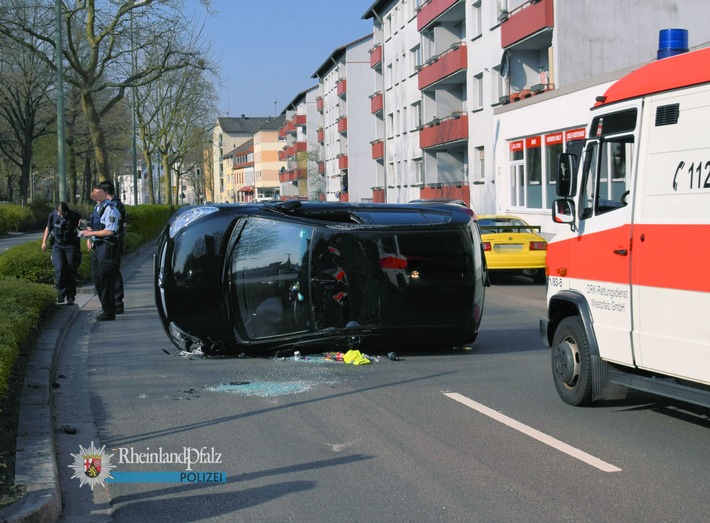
572 362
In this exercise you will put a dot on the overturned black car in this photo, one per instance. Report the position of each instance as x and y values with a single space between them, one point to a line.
269 276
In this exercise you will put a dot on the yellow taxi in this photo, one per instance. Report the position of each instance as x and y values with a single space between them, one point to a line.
510 244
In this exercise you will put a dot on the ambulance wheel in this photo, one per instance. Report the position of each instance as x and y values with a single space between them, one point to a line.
572 363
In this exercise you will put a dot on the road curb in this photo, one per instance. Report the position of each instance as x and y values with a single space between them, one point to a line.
35 461
35 458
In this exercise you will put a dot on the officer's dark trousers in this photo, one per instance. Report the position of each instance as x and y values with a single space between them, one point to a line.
66 257
104 266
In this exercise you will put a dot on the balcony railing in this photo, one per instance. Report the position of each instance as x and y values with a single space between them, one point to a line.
319 103
451 61
531 18
343 124
342 162
376 56
438 132
342 87
378 149
320 135
433 9
377 102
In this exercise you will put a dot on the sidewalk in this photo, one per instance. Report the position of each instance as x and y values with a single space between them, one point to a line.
35 458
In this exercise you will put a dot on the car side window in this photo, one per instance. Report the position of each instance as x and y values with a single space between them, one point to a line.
266 265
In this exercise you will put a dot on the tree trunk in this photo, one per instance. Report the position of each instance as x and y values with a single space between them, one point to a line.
149 178
96 132
168 186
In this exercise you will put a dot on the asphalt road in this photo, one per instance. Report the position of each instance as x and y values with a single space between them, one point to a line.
10 240
473 434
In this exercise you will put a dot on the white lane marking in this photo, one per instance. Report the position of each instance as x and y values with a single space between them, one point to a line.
533 433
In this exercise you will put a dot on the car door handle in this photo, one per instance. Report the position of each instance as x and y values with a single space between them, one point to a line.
621 252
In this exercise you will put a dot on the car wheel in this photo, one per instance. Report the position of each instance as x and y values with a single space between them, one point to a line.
539 276
571 362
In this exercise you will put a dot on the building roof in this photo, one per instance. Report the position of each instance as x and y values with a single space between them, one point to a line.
297 99
336 55
245 124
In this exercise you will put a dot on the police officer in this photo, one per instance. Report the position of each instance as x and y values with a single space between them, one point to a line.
102 241
61 232
115 200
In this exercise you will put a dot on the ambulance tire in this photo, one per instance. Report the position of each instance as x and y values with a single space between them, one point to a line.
572 362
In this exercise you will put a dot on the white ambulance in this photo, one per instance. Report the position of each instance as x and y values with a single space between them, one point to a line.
629 283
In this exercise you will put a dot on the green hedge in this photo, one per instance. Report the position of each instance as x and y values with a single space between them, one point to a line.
27 280
21 307
14 218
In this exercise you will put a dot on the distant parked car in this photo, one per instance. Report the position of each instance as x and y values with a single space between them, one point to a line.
510 244
258 277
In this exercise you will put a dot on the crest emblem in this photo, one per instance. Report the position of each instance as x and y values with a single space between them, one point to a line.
91 465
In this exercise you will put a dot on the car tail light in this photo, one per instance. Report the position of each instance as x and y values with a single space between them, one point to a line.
486 246
538 246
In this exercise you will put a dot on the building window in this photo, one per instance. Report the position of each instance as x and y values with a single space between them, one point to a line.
416 54
498 89
479 167
418 172
478 91
416 115
477 21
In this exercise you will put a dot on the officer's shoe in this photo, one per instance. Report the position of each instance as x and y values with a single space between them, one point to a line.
103 316
70 300
119 308
60 299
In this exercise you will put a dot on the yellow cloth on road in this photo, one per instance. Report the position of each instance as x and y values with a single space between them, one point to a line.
355 357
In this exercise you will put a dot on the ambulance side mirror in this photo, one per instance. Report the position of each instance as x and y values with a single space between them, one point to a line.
563 212
566 175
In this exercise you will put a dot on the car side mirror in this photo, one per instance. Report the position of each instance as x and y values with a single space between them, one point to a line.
566 175
563 211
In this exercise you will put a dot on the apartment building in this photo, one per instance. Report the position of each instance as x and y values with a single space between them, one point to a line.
473 99
346 128
228 134
267 164
303 175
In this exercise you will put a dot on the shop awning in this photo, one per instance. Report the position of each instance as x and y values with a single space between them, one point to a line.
247 188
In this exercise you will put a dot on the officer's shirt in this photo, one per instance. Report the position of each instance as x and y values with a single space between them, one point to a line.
110 217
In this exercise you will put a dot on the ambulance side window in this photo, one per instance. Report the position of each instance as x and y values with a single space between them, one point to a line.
605 176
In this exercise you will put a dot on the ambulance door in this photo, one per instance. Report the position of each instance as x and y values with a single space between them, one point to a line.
671 280
601 258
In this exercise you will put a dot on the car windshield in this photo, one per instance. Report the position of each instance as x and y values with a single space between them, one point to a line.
265 268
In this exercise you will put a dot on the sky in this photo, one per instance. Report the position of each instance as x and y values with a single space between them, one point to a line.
269 49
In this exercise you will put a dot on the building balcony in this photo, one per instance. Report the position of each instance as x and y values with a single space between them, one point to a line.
343 124
319 104
378 149
341 87
376 56
343 162
298 120
445 131
529 27
378 195
377 102
320 135
321 167
282 155
288 176
452 61
440 11
300 147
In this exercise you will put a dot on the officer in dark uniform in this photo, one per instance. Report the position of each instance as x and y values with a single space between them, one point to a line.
102 241
61 233
115 200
